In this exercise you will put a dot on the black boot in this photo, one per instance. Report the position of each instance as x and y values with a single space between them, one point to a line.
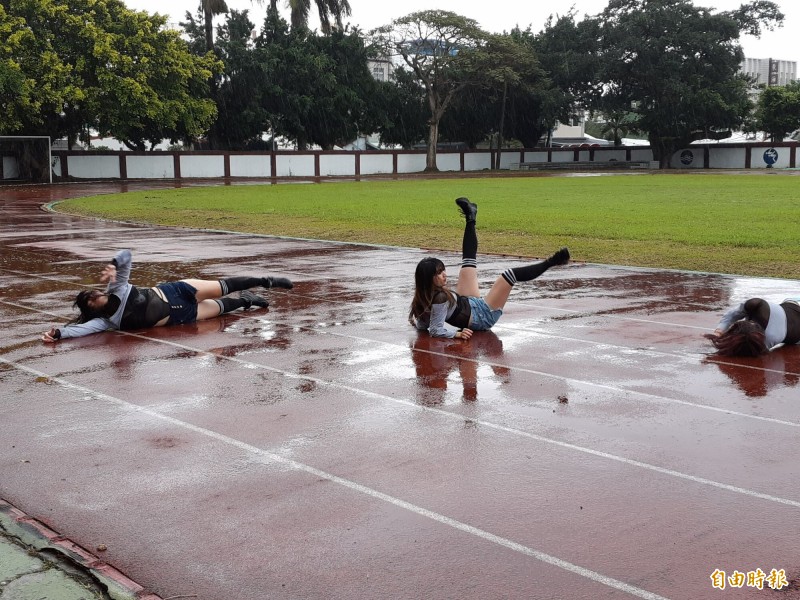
277 282
468 209
250 299
559 258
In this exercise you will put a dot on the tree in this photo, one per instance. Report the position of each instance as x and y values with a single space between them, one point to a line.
674 66
616 125
210 9
343 106
439 47
241 118
97 64
327 9
511 68
778 111
569 53
34 82
315 89
402 104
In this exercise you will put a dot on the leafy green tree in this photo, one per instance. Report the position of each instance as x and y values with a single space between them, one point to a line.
439 47
97 64
617 124
403 106
34 82
346 107
778 111
472 117
512 98
316 89
513 73
674 66
568 52
241 117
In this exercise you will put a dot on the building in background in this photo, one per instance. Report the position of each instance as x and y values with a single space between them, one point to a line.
381 68
769 71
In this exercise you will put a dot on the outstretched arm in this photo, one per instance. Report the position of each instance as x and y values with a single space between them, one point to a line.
77 330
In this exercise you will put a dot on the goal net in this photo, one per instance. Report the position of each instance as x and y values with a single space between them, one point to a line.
25 159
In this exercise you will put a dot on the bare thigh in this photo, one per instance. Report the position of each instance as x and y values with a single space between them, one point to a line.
207 309
498 295
467 284
206 289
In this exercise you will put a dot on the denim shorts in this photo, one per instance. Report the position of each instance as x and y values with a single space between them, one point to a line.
182 301
482 317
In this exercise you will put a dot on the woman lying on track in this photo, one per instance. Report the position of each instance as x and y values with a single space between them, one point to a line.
456 314
756 326
124 306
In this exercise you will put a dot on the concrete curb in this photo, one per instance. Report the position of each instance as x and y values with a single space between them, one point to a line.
36 534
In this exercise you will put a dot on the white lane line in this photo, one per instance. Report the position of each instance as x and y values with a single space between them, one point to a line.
520 302
357 487
488 424
572 381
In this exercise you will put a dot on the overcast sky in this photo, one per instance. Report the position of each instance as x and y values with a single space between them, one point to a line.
503 15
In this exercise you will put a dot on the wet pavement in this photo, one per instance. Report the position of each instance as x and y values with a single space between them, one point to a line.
590 446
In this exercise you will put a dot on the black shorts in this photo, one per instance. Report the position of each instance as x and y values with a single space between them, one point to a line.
182 301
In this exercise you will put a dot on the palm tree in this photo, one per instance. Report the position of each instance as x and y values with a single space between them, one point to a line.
211 8
328 9
617 125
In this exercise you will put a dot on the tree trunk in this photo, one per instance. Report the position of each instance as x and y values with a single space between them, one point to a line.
496 164
662 152
433 141
209 29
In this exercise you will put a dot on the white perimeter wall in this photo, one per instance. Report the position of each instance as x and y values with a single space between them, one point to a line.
93 166
294 165
374 164
161 166
688 158
201 166
411 163
536 156
641 154
615 154
147 167
757 158
727 158
249 165
337 164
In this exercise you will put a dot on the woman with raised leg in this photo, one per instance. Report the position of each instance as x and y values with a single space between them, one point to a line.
456 314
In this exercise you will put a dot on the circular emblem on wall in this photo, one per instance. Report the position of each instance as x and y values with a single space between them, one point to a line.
770 156
687 156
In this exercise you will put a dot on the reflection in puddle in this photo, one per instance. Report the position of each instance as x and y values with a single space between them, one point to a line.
757 376
441 362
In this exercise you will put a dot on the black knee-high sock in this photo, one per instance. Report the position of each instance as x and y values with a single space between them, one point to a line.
469 246
238 284
228 304
527 273
533 271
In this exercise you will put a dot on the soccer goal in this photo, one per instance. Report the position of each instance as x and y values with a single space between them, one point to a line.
25 159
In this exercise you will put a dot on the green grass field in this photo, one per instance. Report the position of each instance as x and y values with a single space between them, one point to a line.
740 224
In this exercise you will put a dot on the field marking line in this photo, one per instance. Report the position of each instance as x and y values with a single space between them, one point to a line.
571 380
357 487
488 424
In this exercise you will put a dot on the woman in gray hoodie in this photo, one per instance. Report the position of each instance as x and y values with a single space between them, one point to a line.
124 306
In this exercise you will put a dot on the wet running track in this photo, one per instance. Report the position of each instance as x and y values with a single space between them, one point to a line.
589 447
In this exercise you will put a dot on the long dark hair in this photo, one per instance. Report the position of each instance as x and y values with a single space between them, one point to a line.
87 313
744 338
424 289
